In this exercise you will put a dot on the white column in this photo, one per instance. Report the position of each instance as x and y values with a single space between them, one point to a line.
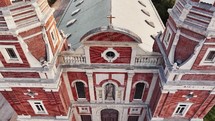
128 87
87 54
68 86
125 114
91 86
133 55
77 116
94 115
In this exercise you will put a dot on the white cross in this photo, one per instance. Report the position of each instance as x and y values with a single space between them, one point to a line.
30 93
189 96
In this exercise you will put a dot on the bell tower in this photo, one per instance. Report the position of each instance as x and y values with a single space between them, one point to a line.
187 46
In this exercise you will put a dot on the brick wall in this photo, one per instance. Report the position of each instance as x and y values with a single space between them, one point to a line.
36 46
124 54
20 75
111 36
21 54
147 77
4 3
73 76
19 101
184 49
168 102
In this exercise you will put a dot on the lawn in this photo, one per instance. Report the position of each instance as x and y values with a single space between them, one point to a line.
211 115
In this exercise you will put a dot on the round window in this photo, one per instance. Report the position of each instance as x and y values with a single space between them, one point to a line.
110 54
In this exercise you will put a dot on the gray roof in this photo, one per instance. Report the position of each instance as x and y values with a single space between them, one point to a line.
128 15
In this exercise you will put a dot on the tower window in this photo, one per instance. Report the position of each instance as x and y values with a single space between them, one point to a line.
139 90
38 107
182 109
210 56
80 89
167 37
11 53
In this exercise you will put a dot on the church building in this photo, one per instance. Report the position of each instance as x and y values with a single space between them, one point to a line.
108 60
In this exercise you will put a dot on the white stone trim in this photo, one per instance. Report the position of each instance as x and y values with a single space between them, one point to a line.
7 57
73 83
87 54
188 105
196 119
53 35
141 81
32 35
84 109
167 37
91 86
128 87
133 54
207 1
110 50
33 105
157 119
68 87
135 110
204 62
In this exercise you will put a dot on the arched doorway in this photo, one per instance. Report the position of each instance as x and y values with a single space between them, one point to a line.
109 115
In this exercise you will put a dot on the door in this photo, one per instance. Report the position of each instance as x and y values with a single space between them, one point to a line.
86 118
133 118
109 115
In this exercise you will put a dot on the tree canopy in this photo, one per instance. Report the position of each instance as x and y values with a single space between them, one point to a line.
162 6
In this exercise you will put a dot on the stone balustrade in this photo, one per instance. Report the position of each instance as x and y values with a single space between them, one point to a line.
71 59
147 60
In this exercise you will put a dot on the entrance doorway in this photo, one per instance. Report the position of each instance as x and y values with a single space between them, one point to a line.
109 115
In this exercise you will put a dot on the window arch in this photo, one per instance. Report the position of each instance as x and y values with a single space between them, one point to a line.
80 89
139 88
110 89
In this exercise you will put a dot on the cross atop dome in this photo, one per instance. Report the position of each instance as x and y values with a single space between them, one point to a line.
110 17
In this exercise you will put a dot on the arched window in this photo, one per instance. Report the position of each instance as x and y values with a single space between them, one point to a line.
139 88
109 92
80 89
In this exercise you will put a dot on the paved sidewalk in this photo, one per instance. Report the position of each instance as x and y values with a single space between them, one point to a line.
59 6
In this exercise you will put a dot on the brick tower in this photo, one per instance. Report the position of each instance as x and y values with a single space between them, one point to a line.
29 43
188 49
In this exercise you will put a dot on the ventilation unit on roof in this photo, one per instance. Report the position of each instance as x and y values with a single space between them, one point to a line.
146 12
71 22
79 3
150 23
141 3
75 12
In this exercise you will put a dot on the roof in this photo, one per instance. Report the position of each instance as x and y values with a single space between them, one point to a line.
138 17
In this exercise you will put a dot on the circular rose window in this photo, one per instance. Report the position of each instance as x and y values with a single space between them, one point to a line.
110 54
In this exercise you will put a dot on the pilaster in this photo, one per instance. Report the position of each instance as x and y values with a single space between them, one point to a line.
68 86
128 87
133 55
91 86
87 54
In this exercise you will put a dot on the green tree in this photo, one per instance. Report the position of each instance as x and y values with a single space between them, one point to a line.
162 6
